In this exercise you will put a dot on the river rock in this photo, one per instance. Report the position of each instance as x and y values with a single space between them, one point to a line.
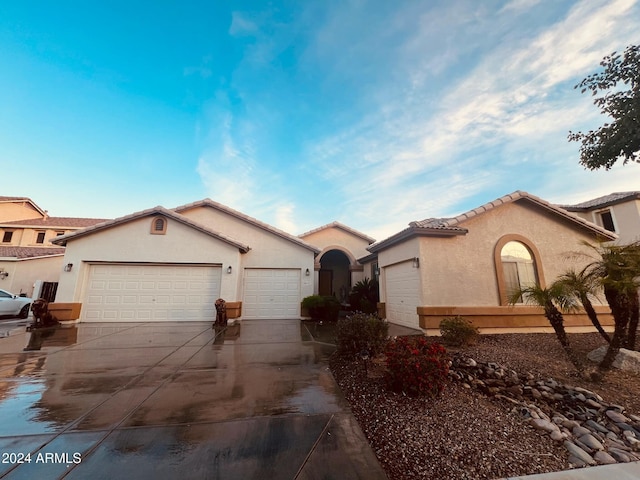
591 442
542 424
603 458
616 417
628 360
596 426
579 431
579 453
619 455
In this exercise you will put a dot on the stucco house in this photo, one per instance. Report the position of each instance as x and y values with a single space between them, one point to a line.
468 264
617 212
336 266
29 261
161 264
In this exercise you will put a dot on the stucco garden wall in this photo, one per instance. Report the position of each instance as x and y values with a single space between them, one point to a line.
25 272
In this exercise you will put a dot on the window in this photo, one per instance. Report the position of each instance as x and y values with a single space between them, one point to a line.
59 233
40 237
6 238
606 220
518 265
159 226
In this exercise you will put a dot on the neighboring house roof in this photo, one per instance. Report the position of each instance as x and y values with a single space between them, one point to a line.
56 222
4 199
604 201
30 252
207 202
451 226
341 227
63 239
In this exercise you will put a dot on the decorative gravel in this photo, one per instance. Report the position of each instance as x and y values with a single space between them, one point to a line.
463 434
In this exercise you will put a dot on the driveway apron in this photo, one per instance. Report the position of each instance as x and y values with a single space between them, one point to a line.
175 400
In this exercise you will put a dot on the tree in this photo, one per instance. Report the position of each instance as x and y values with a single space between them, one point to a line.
620 139
583 286
548 298
617 271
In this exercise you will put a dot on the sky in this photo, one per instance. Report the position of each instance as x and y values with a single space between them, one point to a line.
299 113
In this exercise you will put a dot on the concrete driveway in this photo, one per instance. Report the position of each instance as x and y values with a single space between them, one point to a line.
175 400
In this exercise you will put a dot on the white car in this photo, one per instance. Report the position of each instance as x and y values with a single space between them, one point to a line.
14 305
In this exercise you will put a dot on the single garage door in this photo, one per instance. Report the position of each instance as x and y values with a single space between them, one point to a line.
271 293
155 293
402 294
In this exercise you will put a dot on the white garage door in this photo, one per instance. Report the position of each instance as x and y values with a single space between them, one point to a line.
271 293
155 293
402 294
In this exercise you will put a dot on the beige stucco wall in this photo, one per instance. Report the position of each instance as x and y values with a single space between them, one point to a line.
337 238
398 253
17 211
626 218
268 250
26 237
132 242
24 273
460 270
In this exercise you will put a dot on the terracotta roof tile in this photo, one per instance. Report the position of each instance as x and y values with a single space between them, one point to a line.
57 222
30 252
342 227
603 201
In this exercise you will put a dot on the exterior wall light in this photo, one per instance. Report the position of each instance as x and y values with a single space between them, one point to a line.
4 275
416 262
229 269
68 267
307 272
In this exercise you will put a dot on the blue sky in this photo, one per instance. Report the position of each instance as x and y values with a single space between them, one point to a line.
299 113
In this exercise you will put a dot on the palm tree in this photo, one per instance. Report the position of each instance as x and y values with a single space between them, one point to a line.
617 271
583 287
548 298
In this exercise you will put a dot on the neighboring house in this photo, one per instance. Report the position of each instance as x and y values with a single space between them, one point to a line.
160 264
617 212
28 259
336 267
468 264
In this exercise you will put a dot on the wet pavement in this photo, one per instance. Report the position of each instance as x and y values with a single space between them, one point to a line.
175 400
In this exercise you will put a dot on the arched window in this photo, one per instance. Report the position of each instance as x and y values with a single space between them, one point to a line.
517 266
159 226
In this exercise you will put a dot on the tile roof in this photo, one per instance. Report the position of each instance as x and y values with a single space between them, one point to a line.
604 201
255 222
30 252
63 239
451 226
342 227
57 222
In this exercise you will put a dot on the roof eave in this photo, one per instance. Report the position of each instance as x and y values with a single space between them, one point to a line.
416 232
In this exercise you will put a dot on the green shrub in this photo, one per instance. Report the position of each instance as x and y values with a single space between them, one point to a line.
458 331
364 296
322 307
361 332
416 366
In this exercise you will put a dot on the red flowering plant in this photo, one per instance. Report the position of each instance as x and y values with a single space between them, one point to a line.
416 366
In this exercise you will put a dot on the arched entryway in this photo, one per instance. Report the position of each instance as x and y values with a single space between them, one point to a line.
334 275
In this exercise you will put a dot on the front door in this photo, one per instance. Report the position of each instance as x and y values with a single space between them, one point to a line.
325 282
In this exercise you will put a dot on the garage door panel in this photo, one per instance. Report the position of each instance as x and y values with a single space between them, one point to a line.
271 293
402 294
121 292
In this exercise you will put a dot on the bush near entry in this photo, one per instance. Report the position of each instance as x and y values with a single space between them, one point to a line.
458 331
361 332
416 366
322 307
